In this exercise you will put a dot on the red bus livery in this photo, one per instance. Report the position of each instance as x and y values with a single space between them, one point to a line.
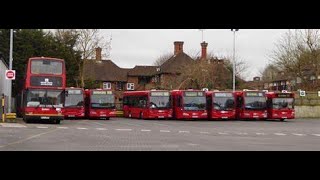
154 104
189 104
280 105
42 96
99 104
251 105
221 105
74 103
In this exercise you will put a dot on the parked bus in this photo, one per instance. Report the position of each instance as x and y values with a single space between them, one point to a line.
74 103
99 104
251 105
280 105
42 96
153 104
189 104
221 105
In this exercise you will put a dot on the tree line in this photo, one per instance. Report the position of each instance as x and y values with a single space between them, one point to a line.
296 57
72 45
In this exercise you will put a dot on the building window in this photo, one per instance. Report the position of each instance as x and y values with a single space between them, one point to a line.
106 85
312 77
130 86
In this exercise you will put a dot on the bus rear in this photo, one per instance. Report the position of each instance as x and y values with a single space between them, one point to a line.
74 103
280 105
251 105
100 104
189 104
221 105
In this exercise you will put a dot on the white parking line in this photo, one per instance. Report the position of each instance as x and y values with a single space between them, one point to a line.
42 127
191 144
280 134
298 134
184 131
204 133
241 133
62 127
316 134
101 129
11 125
164 131
81 128
123 129
145 130
260 133
223 133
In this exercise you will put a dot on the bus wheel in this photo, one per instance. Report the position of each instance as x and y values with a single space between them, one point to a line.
57 121
282 120
141 115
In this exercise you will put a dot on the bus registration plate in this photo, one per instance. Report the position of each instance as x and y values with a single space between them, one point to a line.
44 117
161 117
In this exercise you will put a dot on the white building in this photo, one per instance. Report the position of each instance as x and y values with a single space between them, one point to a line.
4 83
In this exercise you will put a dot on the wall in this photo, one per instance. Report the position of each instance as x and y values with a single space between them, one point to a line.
307 111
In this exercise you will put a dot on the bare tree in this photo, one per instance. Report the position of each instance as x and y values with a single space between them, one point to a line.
298 53
241 66
269 73
162 59
88 40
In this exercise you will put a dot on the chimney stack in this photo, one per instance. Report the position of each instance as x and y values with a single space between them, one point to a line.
178 47
98 53
204 46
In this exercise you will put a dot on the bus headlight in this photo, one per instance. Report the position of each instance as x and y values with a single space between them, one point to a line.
185 114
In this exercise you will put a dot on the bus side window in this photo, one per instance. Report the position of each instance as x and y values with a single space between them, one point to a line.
125 100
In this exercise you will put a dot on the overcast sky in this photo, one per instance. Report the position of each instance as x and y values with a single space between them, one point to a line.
132 47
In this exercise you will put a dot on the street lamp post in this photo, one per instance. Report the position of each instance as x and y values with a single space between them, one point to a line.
10 68
234 60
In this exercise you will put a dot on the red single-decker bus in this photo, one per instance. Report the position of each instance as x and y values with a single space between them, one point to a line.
251 105
280 105
99 104
189 104
74 103
153 104
221 105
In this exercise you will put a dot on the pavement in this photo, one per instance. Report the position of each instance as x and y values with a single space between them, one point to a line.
121 134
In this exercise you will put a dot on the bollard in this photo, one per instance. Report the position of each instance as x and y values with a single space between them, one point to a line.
3 112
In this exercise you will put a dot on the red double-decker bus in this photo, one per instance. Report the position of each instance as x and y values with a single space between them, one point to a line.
74 103
189 104
99 104
280 105
251 105
221 105
154 104
42 96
